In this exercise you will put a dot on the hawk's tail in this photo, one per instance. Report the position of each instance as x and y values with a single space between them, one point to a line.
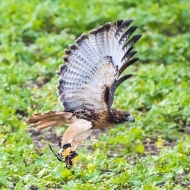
49 119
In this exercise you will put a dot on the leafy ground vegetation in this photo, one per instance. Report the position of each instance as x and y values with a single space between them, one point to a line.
151 154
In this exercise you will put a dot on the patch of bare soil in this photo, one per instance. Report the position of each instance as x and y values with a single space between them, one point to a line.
151 147
42 138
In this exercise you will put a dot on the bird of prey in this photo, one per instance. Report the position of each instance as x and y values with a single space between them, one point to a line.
86 85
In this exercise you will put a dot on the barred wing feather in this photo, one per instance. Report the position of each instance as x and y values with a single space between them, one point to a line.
89 77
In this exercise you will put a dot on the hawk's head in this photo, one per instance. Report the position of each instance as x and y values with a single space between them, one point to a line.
118 117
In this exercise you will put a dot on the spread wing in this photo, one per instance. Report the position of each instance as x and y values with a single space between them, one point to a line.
89 77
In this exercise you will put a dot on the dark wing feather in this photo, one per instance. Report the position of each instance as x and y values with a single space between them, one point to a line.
127 64
122 79
90 75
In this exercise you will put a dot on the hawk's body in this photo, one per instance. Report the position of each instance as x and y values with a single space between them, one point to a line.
87 82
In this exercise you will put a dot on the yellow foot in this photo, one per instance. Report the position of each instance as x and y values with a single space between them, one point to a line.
65 150
66 155
71 159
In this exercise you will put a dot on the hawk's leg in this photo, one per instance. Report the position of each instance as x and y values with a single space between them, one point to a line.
76 133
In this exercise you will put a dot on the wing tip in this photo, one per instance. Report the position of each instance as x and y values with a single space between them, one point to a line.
65 59
80 39
122 79
93 32
135 38
118 22
73 47
107 26
67 52
101 29
127 22
61 69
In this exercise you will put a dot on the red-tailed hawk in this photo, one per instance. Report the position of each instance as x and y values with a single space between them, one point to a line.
86 85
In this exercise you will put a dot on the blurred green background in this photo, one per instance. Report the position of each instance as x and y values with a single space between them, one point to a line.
151 154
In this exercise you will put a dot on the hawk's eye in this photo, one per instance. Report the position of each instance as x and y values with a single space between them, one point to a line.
127 115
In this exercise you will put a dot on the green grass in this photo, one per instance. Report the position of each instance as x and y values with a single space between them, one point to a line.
153 153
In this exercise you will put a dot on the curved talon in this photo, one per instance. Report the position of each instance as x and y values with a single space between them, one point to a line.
56 155
63 152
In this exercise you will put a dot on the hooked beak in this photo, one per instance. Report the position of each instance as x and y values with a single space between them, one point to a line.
130 118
